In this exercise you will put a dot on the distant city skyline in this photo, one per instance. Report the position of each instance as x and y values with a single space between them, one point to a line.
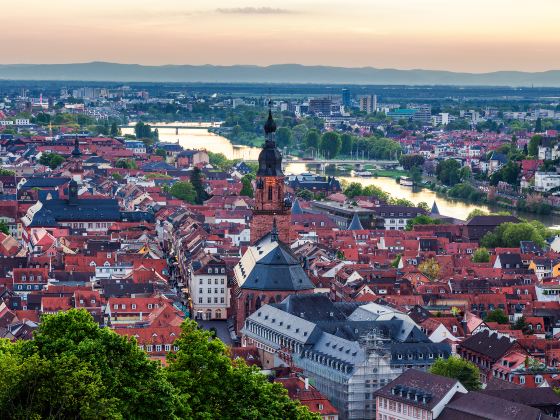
475 36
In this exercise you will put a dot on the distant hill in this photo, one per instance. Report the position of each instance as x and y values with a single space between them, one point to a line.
280 73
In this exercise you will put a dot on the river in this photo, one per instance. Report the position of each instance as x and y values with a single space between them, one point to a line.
201 138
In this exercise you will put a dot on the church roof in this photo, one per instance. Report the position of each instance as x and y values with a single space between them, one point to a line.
296 208
271 265
355 224
435 209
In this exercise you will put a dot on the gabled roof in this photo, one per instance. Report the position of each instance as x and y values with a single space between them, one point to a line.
355 224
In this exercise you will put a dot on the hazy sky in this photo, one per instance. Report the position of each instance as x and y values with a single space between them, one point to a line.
468 35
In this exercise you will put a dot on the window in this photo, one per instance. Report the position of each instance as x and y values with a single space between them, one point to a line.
133 306
209 281
222 291
158 347
200 281
23 278
209 271
209 290
123 306
215 281
522 379
149 348
209 300
168 347
115 306
150 306
215 300
201 290
221 300
216 290
200 300
222 281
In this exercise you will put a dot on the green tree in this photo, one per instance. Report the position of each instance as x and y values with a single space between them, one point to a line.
312 139
52 160
142 130
539 125
410 161
353 189
126 164
284 137
299 131
4 227
497 315
424 206
346 141
421 220
212 386
74 369
481 255
6 172
330 144
247 186
447 172
161 153
115 130
183 190
534 143
415 174
305 194
196 182
476 212
464 371
219 160
508 235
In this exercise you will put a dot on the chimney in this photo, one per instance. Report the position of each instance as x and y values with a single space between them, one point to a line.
306 383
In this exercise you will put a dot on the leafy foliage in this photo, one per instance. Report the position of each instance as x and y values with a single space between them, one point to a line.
497 315
330 144
52 160
183 190
421 220
74 369
410 161
447 172
196 182
247 186
481 255
464 371
509 234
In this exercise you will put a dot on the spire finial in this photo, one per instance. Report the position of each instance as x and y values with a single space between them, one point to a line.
270 125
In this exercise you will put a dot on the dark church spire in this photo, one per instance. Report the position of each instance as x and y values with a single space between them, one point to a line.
270 158
270 125
76 152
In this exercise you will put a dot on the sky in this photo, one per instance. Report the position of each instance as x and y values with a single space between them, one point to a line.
467 35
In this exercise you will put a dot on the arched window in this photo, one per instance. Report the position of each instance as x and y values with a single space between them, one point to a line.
270 193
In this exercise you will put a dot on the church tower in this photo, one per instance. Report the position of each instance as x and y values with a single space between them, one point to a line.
271 205
75 162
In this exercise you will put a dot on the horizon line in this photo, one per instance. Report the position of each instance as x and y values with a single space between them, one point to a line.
279 64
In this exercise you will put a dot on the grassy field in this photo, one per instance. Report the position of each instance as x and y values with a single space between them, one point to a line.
389 173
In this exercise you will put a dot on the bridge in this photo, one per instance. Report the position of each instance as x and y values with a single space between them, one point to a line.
357 163
198 126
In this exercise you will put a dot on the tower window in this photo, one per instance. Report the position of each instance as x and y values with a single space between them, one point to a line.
270 193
